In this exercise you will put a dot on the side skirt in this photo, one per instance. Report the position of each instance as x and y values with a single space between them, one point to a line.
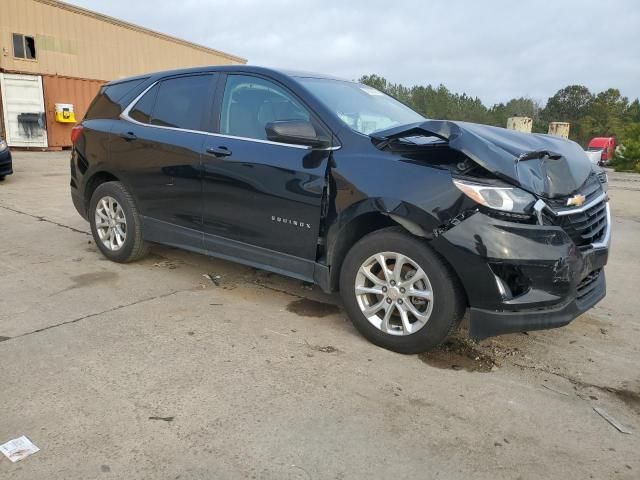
173 235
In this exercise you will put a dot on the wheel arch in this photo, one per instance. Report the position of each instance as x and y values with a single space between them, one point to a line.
93 182
367 217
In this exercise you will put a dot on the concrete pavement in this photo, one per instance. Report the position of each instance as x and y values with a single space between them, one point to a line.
150 370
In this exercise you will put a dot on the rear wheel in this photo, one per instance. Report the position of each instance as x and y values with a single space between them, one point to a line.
115 223
399 293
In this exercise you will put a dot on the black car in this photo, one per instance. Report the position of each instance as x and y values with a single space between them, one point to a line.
6 166
334 182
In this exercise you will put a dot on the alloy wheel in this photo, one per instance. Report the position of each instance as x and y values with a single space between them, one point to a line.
111 223
394 293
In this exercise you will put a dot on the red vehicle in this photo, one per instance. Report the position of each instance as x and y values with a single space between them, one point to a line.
606 144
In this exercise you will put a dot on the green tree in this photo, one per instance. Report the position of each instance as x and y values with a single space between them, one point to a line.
607 113
632 113
375 81
517 107
569 104
608 110
631 141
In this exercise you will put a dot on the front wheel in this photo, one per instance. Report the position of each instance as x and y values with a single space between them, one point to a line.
399 293
115 223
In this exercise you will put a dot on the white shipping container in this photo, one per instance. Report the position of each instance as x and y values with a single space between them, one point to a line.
520 124
559 129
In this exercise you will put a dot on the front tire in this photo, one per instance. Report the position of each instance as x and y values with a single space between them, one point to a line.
399 293
116 224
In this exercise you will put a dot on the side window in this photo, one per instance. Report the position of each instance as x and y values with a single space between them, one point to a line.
141 111
249 103
181 102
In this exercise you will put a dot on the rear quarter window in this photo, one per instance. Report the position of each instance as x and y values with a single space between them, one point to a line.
142 109
108 103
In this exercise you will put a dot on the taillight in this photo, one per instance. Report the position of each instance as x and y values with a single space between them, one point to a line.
75 133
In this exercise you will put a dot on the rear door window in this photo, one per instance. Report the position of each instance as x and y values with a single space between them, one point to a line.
181 102
177 102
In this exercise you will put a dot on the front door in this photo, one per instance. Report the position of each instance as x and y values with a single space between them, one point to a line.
157 150
23 106
257 192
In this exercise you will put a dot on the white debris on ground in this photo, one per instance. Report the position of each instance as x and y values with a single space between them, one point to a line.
18 449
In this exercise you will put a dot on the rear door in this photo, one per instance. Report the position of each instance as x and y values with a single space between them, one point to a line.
157 146
258 192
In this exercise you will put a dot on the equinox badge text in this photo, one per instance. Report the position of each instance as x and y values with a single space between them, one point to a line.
295 223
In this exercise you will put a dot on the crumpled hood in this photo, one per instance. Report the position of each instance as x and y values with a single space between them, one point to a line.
545 165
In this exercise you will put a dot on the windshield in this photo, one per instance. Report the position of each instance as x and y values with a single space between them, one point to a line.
362 108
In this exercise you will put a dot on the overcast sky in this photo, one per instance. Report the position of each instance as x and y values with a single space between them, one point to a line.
492 49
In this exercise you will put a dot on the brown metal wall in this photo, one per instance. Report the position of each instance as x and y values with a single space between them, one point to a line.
77 91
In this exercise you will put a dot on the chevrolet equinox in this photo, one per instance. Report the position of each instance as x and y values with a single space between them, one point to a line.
329 181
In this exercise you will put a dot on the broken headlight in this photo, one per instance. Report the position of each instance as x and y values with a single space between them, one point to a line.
503 198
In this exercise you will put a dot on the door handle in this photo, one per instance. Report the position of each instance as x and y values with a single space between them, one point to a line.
219 151
128 136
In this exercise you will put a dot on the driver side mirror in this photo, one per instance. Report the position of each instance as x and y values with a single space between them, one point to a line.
296 132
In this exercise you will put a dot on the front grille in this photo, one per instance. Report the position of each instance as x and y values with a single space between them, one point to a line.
588 283
591 189
586 227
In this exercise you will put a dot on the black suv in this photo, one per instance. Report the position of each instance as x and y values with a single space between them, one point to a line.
334 182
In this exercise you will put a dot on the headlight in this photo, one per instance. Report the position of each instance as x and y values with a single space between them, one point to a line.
603 179
3 145
507 199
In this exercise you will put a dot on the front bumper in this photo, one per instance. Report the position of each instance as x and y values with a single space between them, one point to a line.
6 165
552 280
488 323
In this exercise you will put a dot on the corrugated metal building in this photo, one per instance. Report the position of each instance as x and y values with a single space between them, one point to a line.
53 53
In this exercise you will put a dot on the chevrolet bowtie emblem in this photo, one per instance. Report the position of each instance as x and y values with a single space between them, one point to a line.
576 200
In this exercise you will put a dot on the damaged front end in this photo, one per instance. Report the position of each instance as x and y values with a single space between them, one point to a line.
530 255
547 166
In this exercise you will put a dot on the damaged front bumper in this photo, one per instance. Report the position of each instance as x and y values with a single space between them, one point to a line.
521 277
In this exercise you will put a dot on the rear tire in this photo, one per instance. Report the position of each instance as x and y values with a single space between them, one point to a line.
2 178
116 224
416 323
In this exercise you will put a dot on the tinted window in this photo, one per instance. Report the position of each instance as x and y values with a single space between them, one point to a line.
108 103
142 109
118 90
250 103
181 102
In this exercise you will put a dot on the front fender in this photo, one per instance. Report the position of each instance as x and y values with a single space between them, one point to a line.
412 217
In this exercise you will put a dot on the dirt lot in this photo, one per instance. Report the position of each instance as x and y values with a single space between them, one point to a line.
152 370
